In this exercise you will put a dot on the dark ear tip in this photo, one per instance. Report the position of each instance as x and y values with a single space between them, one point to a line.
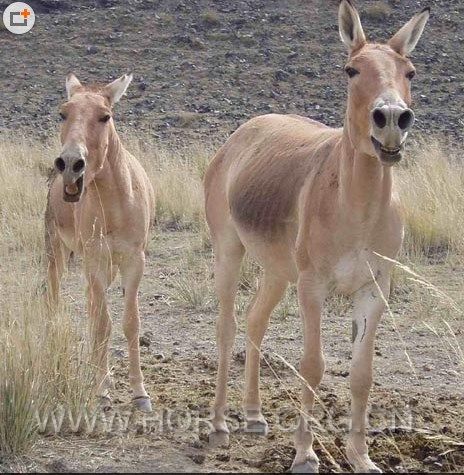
426 9
347 1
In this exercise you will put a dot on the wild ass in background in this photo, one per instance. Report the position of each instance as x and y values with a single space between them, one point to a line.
100 205
315 205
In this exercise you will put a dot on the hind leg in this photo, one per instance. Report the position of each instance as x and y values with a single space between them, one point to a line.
270 292
228 258
311 296
99 273
57 257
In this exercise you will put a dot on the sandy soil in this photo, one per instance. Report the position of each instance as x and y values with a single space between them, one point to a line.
416 412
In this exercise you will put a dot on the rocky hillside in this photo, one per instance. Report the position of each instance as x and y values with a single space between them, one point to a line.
202 67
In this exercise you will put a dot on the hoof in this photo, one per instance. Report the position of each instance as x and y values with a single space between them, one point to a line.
218 439
104 403
309 466
365 465
142 403
372 469
257 428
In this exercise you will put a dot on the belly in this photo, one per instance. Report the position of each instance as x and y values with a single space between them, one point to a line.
276 256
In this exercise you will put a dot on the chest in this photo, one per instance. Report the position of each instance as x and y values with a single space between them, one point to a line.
353 269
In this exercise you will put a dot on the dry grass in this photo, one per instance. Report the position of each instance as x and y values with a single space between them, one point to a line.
43 365
378 11
437 309
42 358
42 362
177 176
22 192
191 290
185 119
431 189
211 18
192 285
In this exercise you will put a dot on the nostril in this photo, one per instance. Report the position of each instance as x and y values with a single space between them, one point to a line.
379 118
60 165
79 166
406 119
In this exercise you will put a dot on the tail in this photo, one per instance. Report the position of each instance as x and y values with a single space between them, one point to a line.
49 216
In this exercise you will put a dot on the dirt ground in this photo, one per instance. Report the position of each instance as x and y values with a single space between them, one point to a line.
205 66
416 419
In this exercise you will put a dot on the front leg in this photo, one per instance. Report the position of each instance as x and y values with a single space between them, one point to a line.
369 304
132 267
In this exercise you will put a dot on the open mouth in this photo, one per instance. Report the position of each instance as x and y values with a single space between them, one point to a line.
388 156
72 192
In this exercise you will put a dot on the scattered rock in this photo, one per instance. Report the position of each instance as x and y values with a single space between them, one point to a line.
430 460
197 444
197 458
92 49
118 353
281 75
146 339
58 466
223 457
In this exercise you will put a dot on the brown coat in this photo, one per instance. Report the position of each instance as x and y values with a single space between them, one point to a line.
316 206
100 205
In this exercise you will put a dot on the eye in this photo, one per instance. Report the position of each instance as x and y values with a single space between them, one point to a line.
410 75
105 118
351 72
63 116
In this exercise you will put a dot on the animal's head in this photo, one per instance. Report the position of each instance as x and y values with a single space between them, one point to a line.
85 132
379 114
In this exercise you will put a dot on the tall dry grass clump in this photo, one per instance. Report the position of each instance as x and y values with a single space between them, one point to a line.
177 176
431 189
43 364
378 11
23 167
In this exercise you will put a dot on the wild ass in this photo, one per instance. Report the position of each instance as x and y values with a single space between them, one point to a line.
100 205
315 205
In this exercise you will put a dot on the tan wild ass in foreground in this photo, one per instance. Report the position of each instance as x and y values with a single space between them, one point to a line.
100 205
315 205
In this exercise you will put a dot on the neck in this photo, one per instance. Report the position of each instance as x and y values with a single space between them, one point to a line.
114 173
113 157
366 185
114 144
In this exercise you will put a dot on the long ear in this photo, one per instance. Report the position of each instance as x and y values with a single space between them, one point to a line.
72 83
351 30
115 90
406 39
